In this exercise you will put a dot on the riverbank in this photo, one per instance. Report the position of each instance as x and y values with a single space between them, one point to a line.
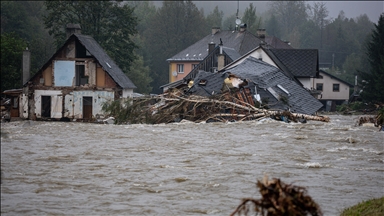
366 208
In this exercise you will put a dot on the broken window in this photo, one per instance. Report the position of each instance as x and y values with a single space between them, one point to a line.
81 79
319 86
336 87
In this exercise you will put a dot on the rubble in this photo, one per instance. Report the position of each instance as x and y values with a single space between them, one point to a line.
279 198
175 106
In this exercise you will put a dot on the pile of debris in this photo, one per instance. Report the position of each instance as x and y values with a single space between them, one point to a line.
377 121
279 198
175 106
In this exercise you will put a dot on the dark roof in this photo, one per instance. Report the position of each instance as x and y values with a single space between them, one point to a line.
214 83
231 53
101 56
336 78
299 62
241 41
105 61
267 76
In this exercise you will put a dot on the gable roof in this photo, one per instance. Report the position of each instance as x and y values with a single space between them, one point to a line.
102 58
105 61
336 78
266 76
241 41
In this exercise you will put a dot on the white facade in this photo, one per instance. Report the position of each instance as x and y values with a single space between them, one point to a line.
329 90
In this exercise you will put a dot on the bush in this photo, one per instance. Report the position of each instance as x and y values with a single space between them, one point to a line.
367 208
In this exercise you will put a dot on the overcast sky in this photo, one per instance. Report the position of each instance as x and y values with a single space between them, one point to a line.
352 9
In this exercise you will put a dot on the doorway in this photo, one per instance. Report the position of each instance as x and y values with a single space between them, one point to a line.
87 107
46 106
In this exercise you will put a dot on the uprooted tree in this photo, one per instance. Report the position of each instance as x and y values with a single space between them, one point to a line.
278 198
175 106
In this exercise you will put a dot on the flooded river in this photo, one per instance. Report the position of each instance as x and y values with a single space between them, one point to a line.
68 168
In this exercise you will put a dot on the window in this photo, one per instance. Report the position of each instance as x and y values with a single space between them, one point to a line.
336 87
81 79
319 86
194 65
180 68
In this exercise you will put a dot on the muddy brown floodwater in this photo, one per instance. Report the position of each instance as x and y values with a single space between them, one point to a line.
183 169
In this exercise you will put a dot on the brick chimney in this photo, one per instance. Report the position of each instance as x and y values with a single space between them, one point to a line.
73 28
215 30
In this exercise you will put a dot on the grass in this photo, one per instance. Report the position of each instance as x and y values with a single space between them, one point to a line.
370 207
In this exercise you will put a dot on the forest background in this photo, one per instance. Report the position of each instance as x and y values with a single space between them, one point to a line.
141 35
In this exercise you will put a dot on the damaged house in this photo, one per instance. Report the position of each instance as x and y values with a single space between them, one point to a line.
267 85
260 83
75 82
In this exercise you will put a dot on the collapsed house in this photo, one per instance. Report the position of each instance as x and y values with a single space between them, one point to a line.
75 82
267 85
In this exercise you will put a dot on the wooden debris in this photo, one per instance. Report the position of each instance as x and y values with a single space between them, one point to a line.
175 106
279 198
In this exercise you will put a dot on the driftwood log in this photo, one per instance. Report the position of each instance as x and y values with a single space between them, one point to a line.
278 198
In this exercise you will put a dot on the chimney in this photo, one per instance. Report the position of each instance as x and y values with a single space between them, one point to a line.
211 46
260 33
215 30
73 28
26 65
243 27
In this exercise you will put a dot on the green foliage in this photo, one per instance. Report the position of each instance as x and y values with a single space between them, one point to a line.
251 19
229 23
12 47
214 19
141 75
24 18
370 207
373 88
110 23
128 111
175 26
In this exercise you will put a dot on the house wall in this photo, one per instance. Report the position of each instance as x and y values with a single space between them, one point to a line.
127 93
56 102
187 68
306 82
74 102
328 93
259 54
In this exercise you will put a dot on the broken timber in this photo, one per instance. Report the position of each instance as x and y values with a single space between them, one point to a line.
175 106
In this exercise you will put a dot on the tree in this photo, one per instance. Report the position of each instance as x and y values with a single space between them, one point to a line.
289 14
215 18
373 78
110 23
250 18
272 26
175 26
12 47
24 18
141 74
229 23
320 13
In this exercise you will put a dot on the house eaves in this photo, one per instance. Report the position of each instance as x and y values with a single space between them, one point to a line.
336 78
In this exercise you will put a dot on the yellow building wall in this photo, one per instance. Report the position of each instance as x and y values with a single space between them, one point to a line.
173 67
